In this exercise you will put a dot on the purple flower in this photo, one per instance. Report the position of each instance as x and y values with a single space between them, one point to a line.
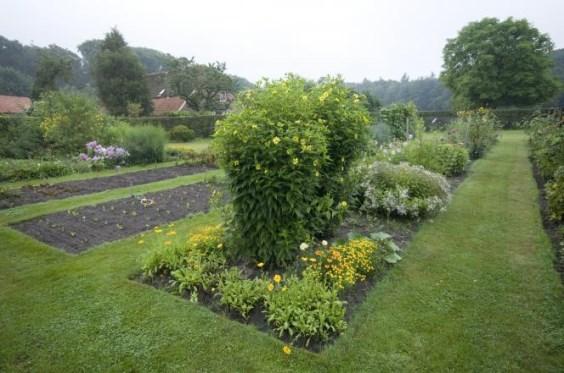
83 157
91 145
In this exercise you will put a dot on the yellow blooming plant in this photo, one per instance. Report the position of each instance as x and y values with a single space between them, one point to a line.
344 265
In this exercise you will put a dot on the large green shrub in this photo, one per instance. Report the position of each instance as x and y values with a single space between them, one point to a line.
402 119
145 144
20 137
182 133
286 171
555 195
402 190
475 129
547 143
446 159
68 121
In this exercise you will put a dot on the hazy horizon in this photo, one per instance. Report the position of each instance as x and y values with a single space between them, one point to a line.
358 39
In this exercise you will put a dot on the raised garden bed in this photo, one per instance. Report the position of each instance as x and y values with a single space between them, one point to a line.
46 192
79 229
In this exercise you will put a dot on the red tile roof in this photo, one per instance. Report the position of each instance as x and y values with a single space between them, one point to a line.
14 104
166 105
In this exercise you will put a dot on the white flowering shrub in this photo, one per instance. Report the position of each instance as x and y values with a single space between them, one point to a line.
402 190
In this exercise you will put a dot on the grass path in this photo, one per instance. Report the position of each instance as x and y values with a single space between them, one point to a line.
476 292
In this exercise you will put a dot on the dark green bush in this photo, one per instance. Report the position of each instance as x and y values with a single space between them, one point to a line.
547 143
555 195
182 133
20 137
26 169
286 152
476 130
402 119
145 144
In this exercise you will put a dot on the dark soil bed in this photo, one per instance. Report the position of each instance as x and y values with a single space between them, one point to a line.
79 229
44 192
554 230
401 230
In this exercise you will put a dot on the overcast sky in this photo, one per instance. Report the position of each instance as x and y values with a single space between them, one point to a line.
267 38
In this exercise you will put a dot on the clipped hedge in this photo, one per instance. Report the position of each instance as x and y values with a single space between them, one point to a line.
203 126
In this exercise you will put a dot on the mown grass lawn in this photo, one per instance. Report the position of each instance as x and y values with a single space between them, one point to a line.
475 292
196 145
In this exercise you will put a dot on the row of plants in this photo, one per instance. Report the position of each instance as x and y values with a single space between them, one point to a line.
303 304
547 151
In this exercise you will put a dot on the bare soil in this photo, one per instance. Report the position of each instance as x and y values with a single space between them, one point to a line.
45 192
79 229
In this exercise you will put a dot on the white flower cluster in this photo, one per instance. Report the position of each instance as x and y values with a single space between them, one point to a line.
404 190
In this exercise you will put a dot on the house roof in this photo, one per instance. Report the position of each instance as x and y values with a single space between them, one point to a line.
164 105
157 83
14 104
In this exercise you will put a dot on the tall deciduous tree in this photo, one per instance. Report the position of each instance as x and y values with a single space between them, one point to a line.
499 63
120 77
200 85
52 71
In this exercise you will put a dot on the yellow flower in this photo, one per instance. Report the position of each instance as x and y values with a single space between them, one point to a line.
276 140
140 242
158 230
287 350
260 264
295 161
270 286
168 242
220 246
277 278
171 233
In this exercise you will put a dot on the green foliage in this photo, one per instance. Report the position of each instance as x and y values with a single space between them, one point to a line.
547 143
20 137
286 152
240 294
305 308
446 159
476 130
428 93
402 120
14 82
163 260
402 190
199 270
68 121
50 72
182 133
25 169
119 76
555 195
200 85
145 144
499 63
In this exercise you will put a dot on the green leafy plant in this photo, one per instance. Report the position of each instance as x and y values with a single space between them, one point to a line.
286 151
305 308
402 190
401 119
145 143
239 294
476 130
446 159
182 133
555 195
26 169
68 121
547 143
